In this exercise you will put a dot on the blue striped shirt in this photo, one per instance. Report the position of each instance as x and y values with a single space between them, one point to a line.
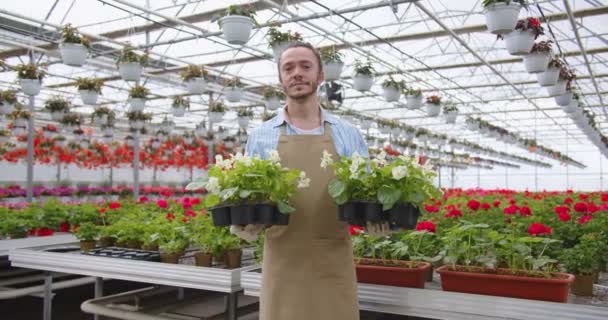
347 138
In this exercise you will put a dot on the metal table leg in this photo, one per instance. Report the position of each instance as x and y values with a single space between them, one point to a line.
98 292
48 295
180 294
231 305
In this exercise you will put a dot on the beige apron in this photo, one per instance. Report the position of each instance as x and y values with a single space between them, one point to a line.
308 269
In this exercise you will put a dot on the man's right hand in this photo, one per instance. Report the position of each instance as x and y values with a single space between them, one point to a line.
248 232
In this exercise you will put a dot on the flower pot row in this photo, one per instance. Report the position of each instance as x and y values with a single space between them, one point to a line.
244 214
358 213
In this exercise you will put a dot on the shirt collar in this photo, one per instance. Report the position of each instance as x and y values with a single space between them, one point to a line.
325 117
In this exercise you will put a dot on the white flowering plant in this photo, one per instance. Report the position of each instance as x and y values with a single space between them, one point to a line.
398 181
243 179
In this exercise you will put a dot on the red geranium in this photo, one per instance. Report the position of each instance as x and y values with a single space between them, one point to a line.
170 216
567 201
512 209
537 229
604 197
454 213
496 203
564 216
580 207
485 206
561 209
162 203
584 219
426 225
354 230
431 209
195 201
583 197
190 213
114 205
473 205
525 211
143 199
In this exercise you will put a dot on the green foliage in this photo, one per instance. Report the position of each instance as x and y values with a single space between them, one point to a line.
87 231
585 257
218 106
128 55
8 96
277 37
56 103
270 91
138 91
392 83
194 71
330 54
364 68
71 35
92 84
31 71
181 101
488 3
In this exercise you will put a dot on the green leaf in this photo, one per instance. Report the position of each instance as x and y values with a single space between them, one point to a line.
212 200
388 196
245 194
336 188
285 208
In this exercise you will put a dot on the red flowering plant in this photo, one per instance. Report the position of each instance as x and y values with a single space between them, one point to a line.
532 24
433 100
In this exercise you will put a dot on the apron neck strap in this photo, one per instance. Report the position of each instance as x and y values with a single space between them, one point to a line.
326 129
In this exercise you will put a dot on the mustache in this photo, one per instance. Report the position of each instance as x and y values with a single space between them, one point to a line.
295 83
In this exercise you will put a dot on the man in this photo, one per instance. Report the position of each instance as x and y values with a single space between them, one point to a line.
308 268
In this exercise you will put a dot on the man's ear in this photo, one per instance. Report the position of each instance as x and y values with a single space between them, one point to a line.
321 76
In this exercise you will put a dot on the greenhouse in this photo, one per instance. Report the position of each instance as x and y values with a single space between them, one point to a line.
276 159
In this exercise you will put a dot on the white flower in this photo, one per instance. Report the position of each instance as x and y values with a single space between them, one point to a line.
380 159
326 160
213 185
399 172
238 156
244 159
273 156
303 181
229 193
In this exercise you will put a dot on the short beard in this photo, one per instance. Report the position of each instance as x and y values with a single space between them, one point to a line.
303 96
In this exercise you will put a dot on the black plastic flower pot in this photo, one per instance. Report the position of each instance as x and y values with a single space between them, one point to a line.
280 219
352 213
404 216
265 213
221 216
242 214
373 212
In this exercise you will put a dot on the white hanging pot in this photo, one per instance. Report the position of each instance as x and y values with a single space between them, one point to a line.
537 62
201 131
179 111
571 107
73 54
229 144
130 143
391 94
130 71
137 124
18 131
137 104
484 130
414 102
6 108
216 116
88 96
83 144
108 132
236 29
433 110
548 78
243 122
362 82
332 70
20 122
450 117
48 134
278 49
558 89
473 126
395 131
502 18
188 140
233 94
519 42
272 103
155 144
102 119
30 87
564 99
196 85
57 115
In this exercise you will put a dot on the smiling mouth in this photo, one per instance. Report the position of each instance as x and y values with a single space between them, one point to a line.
298 84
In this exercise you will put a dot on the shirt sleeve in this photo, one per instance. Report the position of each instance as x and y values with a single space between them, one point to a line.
250 147
360 144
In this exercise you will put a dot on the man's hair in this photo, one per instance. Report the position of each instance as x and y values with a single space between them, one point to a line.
301 45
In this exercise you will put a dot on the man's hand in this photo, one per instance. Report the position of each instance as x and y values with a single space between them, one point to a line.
377 229
248 233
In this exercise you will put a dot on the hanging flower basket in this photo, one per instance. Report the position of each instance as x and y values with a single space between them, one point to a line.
362 82
6 108
433 106
88 97
278 41
558 89
501 18
137 104
179 111
537 62
278 48
414 102
130 71
332 70
548 78
272 103
391 94
450 117
30 87
572 107
565 99
236 29
196 85
233 94
520 42
216 117
73 54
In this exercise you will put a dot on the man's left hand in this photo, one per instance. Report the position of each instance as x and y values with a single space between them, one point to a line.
376 229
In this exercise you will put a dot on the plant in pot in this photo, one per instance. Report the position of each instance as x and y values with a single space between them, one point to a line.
108 235
268 115
502 263
233 89
550 76
8 99
74 47
130 64
216 112
244 116
538 59
272 97
237 23
180 105
87 233
501 15
332 61
521 40
278 40
450 112
433 105
204 234
20 117
137 97
138 119
565 99
413 97
195 79
573 106
5 135
232 250
89 89
14 226
566 76
392 89
364 75
386 262
582 261
30 77
57 106
104 116
229 142
172 241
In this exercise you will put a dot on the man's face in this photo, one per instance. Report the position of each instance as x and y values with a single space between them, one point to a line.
300 73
